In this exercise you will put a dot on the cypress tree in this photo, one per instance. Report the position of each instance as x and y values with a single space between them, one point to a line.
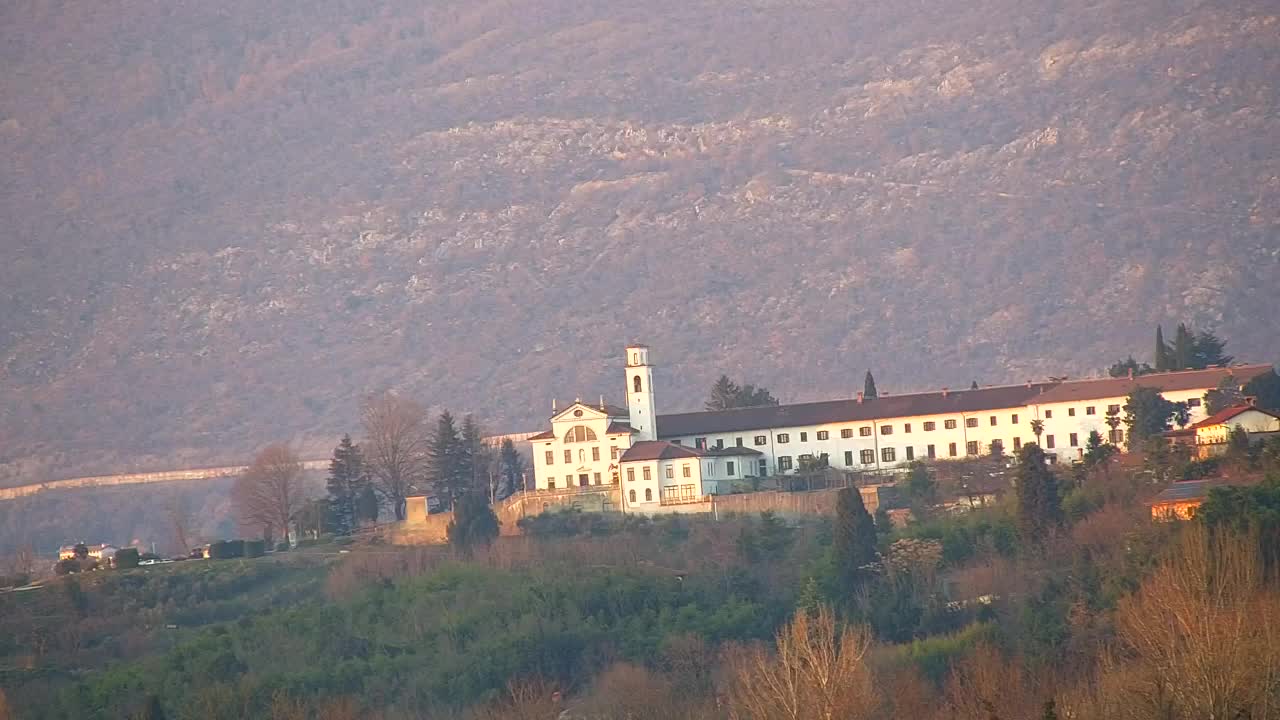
1039 503
854 541
868 386
366 503
473 523
1183 349
1161 359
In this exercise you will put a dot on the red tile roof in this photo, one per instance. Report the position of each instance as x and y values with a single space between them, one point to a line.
1223 416
548 435
619 428
658 450
832 411
1099 388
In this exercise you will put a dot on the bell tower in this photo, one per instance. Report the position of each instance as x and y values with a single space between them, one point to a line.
640 393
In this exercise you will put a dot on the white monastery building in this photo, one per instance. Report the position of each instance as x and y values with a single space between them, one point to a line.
665 460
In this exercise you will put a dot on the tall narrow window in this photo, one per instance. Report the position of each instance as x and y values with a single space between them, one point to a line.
595 453
635 384
648 494
551 457
631 474
568 456
648 474
631 496
931 452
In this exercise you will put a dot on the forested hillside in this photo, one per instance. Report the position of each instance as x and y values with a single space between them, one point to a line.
225 222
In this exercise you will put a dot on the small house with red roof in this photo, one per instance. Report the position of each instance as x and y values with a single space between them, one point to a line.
1212 434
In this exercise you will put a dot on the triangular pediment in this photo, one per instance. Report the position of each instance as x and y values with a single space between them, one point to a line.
579 411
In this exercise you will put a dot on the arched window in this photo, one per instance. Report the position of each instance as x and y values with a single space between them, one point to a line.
579 433
632 495
636 383
648 495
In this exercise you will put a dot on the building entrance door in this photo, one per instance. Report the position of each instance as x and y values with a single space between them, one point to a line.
583 480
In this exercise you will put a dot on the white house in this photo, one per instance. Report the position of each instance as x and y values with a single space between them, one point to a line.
1213 433
669 459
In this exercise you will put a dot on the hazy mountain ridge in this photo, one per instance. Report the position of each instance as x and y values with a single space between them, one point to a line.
230 223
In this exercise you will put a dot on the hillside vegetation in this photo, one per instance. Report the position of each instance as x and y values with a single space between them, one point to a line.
225 222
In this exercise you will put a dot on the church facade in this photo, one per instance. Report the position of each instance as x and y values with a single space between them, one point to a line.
659 461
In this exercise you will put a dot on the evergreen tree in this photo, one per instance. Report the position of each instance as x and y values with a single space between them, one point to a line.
473 523
450 475
810 598
472 456
921 489
1208 350
1146 414
1183 348
347 477
854 541
1181 414
1128 367
1039 503
724 394
1097 453
973 385
366 504
512 468
868 386
1265 389
727 395
1227 394
1161 360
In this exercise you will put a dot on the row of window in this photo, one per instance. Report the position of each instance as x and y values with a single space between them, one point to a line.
866 430
550 456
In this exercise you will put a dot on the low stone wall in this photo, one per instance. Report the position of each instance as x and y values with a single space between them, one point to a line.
422 529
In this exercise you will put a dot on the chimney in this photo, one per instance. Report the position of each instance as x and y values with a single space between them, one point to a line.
946 392
553 405
602 403
859 397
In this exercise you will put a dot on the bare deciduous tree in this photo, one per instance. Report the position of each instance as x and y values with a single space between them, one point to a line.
269 493
1202 635
396 447
818 672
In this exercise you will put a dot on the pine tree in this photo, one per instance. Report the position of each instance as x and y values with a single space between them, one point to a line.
1161 359
1039 503
512 468
473 523
810 599
854 541
868 386
724 394
472 456
449 475
366 503
347 475
1147 414
1207 350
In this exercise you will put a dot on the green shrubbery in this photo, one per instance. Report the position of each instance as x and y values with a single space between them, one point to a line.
255 548
226 549
126 558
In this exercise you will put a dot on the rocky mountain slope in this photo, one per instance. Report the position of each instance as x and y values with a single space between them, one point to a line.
225 222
